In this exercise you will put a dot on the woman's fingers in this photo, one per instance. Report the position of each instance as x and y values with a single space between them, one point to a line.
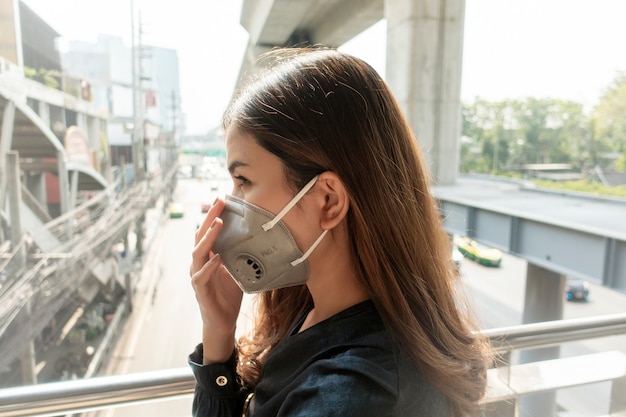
215 211
202 276
205 237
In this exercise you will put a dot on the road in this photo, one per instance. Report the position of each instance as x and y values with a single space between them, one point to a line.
498 298
165 324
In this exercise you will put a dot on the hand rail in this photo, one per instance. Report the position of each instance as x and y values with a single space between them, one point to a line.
53 399
551 333
112 391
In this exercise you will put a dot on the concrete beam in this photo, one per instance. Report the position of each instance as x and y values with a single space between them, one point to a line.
330 22
344 21
424 56
424 60
565 248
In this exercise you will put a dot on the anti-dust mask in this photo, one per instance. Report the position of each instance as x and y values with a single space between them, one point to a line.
258 250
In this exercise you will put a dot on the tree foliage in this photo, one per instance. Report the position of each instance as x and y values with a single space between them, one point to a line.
499 136
502 135
609 124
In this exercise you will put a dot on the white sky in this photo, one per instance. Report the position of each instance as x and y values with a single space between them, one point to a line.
569 49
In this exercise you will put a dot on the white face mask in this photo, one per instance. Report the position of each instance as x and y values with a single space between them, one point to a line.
258 250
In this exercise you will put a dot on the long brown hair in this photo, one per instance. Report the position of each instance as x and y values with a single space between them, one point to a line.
323 110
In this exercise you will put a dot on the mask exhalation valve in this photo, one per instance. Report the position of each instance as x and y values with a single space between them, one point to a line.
257 269
249 268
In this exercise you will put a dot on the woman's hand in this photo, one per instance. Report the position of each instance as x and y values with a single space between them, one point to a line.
218 296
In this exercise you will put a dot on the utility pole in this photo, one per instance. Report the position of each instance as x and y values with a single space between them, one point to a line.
174 112
171 146
137 142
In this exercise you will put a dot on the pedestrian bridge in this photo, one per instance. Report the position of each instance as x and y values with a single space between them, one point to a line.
507 384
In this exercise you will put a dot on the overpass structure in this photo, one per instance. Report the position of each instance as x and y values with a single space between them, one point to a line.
424 55
559 235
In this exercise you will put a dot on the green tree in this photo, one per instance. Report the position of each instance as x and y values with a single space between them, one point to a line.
609 125
486 132
516 132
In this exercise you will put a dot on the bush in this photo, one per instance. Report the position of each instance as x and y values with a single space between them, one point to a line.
584 186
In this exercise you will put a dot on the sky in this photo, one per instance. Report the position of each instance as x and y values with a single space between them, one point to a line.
565 49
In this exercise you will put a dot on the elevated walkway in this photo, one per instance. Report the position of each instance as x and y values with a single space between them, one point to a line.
506 384
570 234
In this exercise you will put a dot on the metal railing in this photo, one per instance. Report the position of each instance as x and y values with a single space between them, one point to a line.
114 391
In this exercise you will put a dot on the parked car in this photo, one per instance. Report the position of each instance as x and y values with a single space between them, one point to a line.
577 290
481 254
204 207
176 210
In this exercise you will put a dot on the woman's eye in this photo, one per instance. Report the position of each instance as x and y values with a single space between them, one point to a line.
240 180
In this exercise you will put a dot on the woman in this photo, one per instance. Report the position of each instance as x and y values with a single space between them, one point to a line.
326 169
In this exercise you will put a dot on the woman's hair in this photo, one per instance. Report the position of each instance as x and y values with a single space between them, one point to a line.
322 110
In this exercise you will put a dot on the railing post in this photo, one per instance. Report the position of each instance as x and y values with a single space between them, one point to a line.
506 408
542 287
618 396
500 409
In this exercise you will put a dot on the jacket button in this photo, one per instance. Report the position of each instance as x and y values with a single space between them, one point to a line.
221 380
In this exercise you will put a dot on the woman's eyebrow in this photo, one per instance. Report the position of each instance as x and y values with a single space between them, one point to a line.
236 164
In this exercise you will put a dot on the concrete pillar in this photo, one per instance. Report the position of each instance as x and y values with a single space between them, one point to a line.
139 232
36 184
43 111
93 136
128 283
64 183
73 189
618 397
14 187
27 357
14 8
424 60
6 140
249 63
543 301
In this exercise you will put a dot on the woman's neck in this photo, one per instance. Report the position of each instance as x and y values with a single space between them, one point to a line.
334 288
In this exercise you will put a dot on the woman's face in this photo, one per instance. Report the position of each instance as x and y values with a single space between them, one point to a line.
259 178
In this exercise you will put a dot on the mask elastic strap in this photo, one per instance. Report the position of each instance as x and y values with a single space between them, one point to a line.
311 249
267 226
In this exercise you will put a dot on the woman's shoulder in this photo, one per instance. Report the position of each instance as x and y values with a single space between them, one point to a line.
370 352
354 337
387 377
353 358
357 341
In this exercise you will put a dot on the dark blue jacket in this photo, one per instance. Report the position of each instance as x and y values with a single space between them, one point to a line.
347 365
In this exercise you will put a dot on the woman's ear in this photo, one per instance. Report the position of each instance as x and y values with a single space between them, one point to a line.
336 199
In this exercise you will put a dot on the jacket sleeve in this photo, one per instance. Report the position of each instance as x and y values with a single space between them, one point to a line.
218 392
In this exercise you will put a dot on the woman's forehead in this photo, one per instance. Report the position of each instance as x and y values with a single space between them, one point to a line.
243 150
